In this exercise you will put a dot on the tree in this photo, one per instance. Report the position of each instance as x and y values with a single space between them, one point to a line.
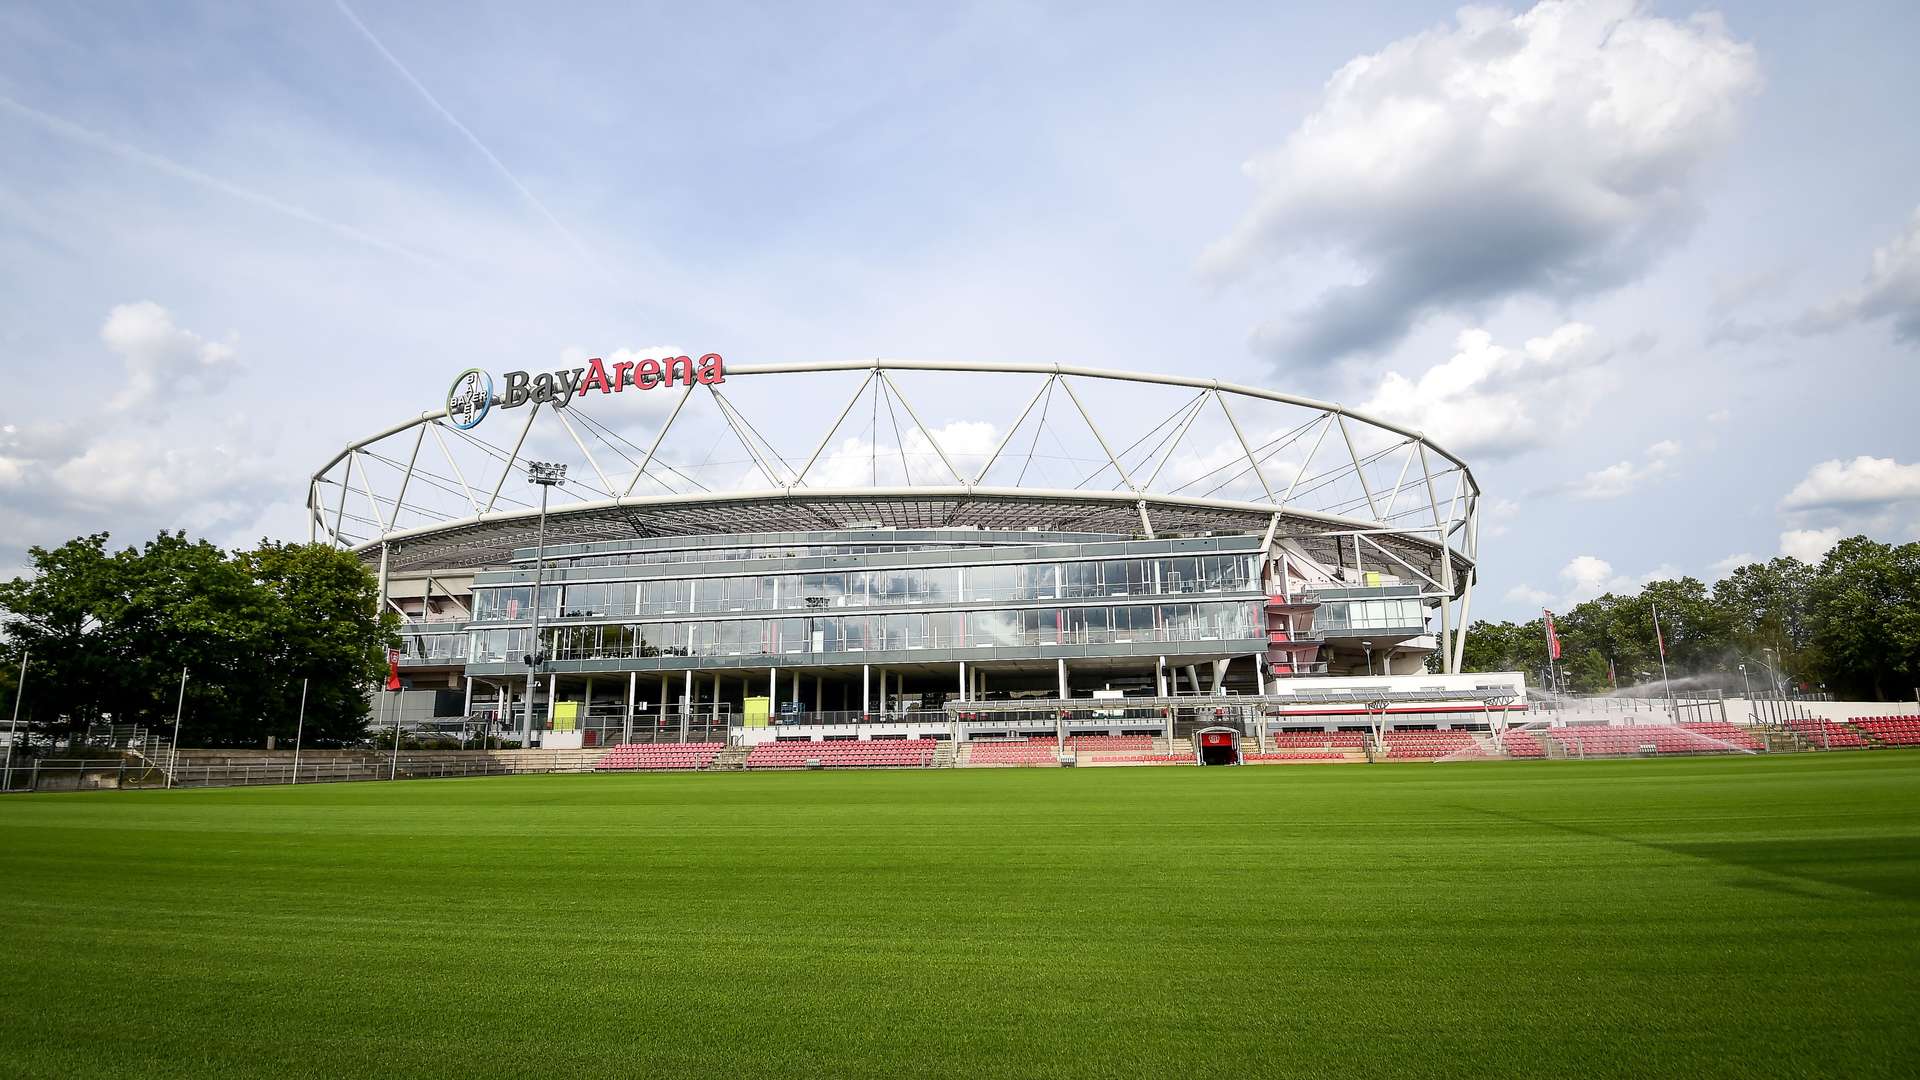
1864 618
110 634
324 633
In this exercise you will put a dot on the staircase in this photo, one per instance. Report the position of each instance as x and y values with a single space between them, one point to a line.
732 759
945 755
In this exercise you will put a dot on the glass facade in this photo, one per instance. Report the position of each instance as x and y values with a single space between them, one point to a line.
1335 616
918 586
996 595
893 631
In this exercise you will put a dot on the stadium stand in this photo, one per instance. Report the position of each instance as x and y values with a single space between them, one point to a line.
1597 741
1352 739
1030 752
1732 734
659 756
1104 742
1522 744
1891 730
849 754
1827 734
1302 754
1427 744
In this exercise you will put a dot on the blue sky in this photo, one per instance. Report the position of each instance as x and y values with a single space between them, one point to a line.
233 238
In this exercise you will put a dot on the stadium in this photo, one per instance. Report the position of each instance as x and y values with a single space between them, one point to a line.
786 693
1092 554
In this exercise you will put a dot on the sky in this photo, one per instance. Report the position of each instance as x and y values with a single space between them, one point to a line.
1652 270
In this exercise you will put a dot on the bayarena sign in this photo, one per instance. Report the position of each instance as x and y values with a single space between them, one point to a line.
471 396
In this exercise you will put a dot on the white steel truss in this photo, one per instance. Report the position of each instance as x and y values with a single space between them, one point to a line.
916 443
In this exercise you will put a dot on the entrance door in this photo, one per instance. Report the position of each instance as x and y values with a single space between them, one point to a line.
1218 746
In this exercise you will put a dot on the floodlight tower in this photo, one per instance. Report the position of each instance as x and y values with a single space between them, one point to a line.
546 474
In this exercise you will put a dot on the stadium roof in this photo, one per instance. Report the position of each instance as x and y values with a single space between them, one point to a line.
1010 446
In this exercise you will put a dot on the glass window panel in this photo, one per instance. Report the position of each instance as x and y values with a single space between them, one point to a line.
993 628
1179 575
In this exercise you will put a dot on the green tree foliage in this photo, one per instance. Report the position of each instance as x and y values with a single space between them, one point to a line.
1864 621
110 632
1851 624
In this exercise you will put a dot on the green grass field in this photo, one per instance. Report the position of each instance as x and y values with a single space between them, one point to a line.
1732 917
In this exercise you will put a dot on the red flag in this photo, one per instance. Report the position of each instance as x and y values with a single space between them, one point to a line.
1612 680
393 669
1657 638
1553 639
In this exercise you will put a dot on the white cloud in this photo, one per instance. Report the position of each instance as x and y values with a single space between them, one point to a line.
1891 290
1623 478
858 462
1719 416
58 478
1554 152
1864 481
1731 563
1527 594
158 355
1493 400
1808 545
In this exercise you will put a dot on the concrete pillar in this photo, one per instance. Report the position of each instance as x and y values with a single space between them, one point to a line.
866 695
553 694
963 682
1062 666
666 691
819 693
633 694
686 711
1160 677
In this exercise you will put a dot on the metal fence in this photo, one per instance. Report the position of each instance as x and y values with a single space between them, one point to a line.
133 772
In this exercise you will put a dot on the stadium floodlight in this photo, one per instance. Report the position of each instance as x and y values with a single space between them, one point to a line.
547 474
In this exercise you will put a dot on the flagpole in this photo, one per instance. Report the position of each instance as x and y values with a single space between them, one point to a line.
1661 640
1546 624
300 731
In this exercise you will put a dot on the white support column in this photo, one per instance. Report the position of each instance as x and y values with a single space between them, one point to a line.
1160 677
586 709
819 693
1061 666
468 711
716 701
866 695
963 682
666 691
686 711
553 694
633 692
1193 679
1220 675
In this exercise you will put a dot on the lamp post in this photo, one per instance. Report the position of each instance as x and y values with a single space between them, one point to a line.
1748 684
546 474
1368 645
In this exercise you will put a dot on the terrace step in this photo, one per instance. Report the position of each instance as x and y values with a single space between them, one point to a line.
732 759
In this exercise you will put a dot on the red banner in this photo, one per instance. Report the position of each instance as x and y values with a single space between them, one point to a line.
393 669
1553 638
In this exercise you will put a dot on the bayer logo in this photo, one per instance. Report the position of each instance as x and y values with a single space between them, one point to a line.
469 398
